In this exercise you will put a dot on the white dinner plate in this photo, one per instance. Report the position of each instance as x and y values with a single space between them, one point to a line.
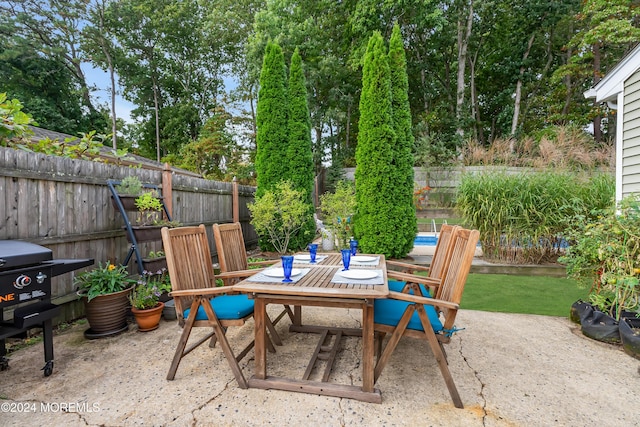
303 257
279 272
359 274
362 258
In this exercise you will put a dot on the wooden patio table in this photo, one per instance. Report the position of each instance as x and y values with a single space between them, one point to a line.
317 289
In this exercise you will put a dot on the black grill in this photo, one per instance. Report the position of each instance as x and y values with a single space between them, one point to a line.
26 270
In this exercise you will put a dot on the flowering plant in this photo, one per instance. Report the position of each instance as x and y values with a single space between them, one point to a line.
103 280
421 196
150 286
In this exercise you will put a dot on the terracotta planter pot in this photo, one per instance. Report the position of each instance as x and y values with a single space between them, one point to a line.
148 319
106 314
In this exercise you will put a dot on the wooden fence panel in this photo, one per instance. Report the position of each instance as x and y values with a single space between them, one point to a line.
65 205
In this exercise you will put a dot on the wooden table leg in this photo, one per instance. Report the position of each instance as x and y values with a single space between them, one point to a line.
259 314
297 315
367 347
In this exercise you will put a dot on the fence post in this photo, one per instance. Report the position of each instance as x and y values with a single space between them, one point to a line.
235 200
167 189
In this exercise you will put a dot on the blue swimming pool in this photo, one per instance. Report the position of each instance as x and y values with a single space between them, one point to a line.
425 241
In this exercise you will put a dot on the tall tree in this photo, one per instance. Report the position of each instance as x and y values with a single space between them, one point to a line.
97 45
52 28
44 84
404 214
299 158
375 222
610 30
166 67
271 118
465 24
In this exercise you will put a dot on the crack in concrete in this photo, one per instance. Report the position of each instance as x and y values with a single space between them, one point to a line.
193 413
341 418
482 385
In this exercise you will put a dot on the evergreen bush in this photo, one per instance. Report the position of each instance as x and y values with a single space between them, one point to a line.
299 159
271 122
404 210
375 222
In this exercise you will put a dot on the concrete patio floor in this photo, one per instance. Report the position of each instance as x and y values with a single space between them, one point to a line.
511 370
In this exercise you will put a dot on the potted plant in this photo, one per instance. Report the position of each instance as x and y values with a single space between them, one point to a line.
155 261
149 220
105 291
128 190
145 300
279 214
338 209
604 254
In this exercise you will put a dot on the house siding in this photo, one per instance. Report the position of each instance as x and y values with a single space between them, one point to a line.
631 136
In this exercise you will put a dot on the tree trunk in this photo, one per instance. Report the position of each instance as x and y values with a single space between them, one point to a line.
156 105
475 107
114 127
464 32
597 132
516 107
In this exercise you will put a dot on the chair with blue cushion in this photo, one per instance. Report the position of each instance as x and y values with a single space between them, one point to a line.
404 282
426 318
232 256
194 290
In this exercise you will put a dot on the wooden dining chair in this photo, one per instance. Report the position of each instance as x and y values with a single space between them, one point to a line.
232 256
194 290
430 319
434 271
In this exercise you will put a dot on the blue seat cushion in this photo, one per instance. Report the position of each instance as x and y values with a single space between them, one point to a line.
389 311
397 285
226 307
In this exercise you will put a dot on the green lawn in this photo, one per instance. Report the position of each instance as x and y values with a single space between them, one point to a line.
550 296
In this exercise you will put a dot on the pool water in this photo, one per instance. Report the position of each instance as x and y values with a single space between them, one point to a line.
425 241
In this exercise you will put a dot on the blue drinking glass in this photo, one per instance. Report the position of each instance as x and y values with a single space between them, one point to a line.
346 258
313 250
287 266
353 244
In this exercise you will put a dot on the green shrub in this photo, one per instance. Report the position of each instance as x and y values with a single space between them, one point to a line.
375 223
278 215
404 210
271 121
522 218
605 255
338 209
299 155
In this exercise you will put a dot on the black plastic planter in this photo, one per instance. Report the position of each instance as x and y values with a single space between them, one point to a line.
599 326
630 336
577 309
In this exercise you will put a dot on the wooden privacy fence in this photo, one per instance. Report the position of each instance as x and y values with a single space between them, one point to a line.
65 205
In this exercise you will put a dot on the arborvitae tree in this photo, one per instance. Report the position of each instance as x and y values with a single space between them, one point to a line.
404 219
299 159
375 221
271 121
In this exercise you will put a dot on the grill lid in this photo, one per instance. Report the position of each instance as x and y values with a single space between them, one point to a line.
16 253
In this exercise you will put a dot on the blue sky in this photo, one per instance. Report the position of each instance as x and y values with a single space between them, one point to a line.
100 79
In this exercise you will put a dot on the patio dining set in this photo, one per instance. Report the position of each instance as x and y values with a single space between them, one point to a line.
397 299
